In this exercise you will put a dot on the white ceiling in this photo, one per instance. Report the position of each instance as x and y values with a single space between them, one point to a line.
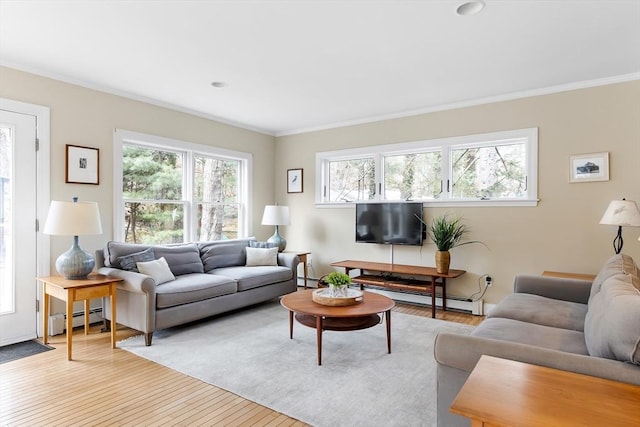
292 66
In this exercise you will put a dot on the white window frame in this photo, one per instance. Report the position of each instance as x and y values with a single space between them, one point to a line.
529 136
188 150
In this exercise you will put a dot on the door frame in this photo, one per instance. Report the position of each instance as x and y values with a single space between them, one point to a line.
43 188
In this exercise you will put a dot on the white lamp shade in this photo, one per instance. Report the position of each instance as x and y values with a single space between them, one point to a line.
624 213
73 219
275 215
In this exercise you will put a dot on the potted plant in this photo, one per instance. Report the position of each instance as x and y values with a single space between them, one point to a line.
338 283
447 233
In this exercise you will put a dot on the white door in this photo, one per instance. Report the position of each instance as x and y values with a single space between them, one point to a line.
18 254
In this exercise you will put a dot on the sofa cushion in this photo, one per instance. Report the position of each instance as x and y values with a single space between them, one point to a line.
617 264
529 333
128 262
261 256
224 253
191 288
158 269
541 311
183 258
612 324
254 277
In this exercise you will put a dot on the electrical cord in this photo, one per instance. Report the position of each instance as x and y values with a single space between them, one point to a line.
480 290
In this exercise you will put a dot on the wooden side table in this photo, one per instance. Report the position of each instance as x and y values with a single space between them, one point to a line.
563 275
501 392
303 259
94 286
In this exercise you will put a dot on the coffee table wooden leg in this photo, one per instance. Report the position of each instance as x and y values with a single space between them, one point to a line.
319 338
290 324
388 316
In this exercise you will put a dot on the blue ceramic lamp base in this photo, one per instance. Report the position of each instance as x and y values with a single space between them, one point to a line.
278 240
76 263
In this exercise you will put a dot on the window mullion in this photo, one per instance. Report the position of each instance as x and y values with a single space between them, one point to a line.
447 169
188 179
379 176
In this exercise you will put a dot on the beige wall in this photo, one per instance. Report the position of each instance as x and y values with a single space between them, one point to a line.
561 233
87 117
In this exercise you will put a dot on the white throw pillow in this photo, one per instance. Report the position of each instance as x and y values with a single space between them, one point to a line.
158 269
262 256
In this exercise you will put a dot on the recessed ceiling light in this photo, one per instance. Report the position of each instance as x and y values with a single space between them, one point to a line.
470 8
218 84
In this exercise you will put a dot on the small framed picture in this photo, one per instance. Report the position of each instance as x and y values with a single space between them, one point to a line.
83 165
294 180
589 167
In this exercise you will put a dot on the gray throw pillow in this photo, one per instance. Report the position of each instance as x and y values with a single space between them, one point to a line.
128 262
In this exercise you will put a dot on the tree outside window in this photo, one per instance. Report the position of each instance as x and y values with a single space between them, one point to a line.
157 207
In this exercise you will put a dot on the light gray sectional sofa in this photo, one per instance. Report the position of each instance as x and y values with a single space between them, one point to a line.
208 278
591 328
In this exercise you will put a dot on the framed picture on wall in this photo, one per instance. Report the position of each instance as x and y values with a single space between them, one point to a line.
589 167
83 165
294 180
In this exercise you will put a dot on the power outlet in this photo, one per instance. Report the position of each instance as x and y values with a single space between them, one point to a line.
488 280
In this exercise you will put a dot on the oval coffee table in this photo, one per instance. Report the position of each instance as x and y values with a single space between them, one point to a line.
342 318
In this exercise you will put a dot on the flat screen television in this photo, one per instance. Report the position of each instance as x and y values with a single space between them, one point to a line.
394 223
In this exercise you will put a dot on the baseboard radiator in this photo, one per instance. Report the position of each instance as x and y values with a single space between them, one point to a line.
58 321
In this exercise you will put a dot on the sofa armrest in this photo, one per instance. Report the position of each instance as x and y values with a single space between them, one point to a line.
463 352
132 282
574 290
289 260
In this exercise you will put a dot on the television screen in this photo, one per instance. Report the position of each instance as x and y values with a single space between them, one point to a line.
389 223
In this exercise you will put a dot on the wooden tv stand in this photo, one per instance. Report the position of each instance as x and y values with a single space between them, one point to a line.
428 286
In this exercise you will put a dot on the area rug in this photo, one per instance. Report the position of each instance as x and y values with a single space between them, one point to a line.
22 349
249 353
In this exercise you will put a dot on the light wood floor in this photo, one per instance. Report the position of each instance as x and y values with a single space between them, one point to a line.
112 387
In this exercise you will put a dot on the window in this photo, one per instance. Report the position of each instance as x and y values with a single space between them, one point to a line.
172 191
414 176
351 179
488 169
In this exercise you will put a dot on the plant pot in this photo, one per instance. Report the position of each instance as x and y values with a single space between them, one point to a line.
443 259
338 291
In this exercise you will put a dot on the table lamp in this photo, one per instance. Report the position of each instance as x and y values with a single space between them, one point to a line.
74 219
623 213
276 215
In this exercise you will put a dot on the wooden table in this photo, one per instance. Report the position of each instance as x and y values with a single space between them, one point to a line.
303 260
435 278
502 392
564 275
337 318
94 286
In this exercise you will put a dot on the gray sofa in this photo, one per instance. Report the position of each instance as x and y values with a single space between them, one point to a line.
591 328
209 278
